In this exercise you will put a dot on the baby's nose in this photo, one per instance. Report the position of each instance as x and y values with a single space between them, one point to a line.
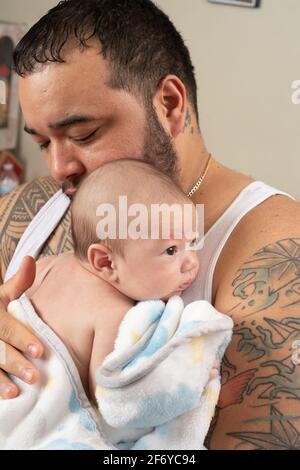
190 263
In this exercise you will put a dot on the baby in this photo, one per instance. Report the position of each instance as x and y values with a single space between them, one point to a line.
101 311
97 284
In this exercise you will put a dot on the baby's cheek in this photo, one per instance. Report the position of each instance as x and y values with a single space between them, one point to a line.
167 279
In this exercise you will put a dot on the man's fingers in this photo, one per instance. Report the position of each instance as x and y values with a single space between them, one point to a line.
20 282
213 374
17 335
7 388
215 370
14 334
13 362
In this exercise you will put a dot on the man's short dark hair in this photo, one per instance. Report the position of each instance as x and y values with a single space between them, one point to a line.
138 39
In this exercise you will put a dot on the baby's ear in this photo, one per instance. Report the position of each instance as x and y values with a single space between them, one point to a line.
100 260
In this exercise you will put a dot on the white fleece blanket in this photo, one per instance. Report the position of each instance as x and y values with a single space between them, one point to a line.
54 413
153 389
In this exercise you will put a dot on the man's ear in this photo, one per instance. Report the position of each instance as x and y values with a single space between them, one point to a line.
100 258
170 103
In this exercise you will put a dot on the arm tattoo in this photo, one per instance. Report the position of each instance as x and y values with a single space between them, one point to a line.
261 369
282 434
271 276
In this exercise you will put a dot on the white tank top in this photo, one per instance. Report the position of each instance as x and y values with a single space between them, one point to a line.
52 212
216 237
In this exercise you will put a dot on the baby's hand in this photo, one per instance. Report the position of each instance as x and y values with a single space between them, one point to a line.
215 370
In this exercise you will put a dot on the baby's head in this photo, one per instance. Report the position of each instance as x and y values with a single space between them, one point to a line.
120 235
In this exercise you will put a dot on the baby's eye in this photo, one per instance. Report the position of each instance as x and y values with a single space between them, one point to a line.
193 243
171 251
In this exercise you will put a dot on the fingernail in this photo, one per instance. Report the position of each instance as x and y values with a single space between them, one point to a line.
27 374
6 390
33 350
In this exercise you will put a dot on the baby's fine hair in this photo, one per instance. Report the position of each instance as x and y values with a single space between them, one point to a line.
140 181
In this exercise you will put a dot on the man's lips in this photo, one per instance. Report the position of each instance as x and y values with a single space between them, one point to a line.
71 185
70 188
70 191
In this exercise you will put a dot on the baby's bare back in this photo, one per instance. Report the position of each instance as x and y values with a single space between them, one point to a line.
82 309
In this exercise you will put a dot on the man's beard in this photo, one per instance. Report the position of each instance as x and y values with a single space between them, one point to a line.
158 149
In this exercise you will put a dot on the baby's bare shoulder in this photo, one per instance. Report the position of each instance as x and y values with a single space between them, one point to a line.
109 317
42 267
44 261
116 305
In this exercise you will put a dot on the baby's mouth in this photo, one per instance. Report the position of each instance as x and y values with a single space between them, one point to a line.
185 285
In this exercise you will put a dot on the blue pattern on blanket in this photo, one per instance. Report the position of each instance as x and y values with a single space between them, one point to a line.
161 335
153 390
84 418
161 407
64 444
153 309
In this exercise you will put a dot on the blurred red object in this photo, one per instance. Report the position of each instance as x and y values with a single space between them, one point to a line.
8 157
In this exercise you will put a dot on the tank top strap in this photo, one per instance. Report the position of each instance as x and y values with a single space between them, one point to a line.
253 195
38 231
216 237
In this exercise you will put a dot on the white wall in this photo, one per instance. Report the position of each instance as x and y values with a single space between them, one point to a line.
246 60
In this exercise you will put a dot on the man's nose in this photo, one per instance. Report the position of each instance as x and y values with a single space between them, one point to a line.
63 163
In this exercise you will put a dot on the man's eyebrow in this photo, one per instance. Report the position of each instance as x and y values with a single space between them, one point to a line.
66 122
71 120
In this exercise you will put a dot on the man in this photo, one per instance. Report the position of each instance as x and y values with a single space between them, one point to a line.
102 80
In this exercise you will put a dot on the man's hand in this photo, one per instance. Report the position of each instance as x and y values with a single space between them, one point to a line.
15 338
